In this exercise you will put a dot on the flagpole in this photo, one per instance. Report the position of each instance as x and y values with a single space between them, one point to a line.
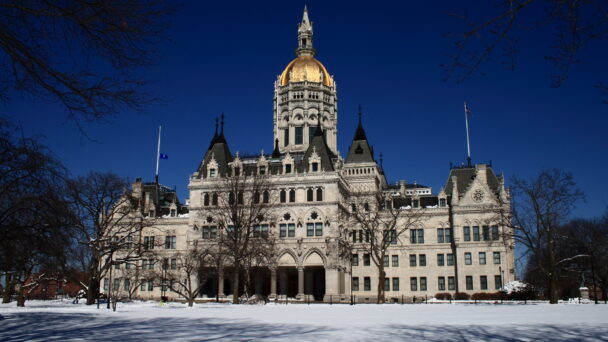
466 120
158 153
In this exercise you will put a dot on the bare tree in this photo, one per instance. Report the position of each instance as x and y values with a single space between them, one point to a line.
33 213
185 272
586 237
244 203
108 226
572 26
133 276
49 48
381 225
539 208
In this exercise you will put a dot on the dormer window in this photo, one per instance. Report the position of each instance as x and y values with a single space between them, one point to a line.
288 168
211 173
415 203
237 171
442 202
315 167
262 170
152 213
173 212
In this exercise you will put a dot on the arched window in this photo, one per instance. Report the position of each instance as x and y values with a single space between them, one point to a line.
292 195
366 206
353 207
206 200
319 194
256 197
283 196
214 199
266 197
309 194
240 197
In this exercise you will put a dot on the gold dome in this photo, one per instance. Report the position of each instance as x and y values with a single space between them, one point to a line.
305 68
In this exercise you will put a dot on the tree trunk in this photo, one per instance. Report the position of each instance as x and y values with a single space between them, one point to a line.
381 277
9 288
93 290
190 301
553 297
21 299
235 286
593 278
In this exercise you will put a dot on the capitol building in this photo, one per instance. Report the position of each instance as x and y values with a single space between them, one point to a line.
442 240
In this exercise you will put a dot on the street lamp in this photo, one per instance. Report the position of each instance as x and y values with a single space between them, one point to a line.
502 284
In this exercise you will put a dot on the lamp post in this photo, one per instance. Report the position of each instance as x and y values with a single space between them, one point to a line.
502 285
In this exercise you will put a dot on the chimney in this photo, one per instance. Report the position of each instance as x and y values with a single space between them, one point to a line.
480 173
402 187
136 188
455 194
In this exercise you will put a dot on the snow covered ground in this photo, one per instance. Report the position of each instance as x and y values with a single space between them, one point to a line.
147 321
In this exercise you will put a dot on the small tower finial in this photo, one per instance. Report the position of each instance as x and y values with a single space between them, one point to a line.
381 159
360 113
216 123
305 36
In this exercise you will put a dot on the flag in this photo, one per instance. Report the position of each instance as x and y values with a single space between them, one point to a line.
163 156
468 110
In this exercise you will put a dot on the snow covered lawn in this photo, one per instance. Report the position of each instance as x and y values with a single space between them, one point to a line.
147 321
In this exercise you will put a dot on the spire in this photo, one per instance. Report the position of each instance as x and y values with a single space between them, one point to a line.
360 132
215 135
276 153
221 138
305 36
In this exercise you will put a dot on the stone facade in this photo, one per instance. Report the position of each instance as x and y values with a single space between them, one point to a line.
318 183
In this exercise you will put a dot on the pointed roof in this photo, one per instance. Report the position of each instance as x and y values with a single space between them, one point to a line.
276 153
319 146
305 25
360 132
219 151
360 151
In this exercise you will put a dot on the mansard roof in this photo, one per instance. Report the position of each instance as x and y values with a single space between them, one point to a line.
466 175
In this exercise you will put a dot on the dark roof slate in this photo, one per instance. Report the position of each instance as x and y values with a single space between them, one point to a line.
465 177
360 151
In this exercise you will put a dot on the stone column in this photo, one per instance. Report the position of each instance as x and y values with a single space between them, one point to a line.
220 283
273 283
332 284
300 283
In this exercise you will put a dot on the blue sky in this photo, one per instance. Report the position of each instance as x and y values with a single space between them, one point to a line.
386 56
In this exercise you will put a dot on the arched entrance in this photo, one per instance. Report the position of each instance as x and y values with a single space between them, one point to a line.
314 276
287 274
